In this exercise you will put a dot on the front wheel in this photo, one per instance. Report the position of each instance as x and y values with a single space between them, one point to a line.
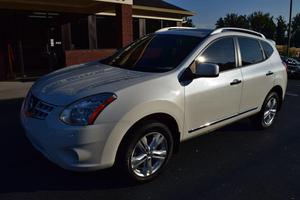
266 117
146 151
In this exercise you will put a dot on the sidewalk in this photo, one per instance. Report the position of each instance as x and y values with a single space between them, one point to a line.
14 90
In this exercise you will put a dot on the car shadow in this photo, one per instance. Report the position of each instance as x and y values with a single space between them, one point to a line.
243 125
23 169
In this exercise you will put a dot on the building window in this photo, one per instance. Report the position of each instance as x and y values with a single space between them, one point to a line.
136 28
169 23
80 38
153 25
107 32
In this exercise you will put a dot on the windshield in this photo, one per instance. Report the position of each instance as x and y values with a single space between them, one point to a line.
154 53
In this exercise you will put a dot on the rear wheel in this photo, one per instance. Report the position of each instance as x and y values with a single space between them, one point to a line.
146 151
266 117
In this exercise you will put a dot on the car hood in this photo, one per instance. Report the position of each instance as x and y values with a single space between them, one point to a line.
65 86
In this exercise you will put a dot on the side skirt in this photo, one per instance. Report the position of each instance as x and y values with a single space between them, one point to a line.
219 121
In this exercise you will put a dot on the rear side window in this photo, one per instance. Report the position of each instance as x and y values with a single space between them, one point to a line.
221 52
251 51
267 48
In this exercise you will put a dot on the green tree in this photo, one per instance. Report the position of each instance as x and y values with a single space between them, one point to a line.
233 20
188 23
281 28
296 30
220 23
263 23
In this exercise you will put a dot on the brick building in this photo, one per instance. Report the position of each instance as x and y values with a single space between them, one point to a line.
39 36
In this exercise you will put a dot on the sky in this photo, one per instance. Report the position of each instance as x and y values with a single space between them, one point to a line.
208 11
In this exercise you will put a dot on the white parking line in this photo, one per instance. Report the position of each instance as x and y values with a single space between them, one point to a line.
292 94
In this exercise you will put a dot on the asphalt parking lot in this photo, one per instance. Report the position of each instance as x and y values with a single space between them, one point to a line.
236 162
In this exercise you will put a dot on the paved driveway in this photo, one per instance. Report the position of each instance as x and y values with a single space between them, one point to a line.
235 162
14 90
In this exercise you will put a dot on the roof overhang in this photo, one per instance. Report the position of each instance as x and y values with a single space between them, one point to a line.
147 12
94 6
164 10
165 17
130 2
75 6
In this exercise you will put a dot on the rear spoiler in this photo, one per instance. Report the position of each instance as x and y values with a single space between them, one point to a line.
273 42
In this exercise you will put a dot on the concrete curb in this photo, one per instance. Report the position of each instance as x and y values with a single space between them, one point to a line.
14 90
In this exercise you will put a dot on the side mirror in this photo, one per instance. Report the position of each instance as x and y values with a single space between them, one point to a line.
206 70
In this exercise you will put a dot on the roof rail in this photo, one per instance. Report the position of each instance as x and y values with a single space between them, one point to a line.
173 28
241 30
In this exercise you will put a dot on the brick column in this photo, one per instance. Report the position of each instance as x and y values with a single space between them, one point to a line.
142 27
125 24
92 29
179 24
66 36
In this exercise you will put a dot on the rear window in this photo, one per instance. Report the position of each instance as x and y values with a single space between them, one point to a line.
267 48
251 51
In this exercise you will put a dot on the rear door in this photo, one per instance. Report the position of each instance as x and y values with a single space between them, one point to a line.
257 73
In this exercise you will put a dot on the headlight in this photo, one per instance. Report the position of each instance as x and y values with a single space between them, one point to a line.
85 111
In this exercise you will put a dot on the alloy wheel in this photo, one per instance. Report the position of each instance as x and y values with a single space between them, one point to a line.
149 154
270 111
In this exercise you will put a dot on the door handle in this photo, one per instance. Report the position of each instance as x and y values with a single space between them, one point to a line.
235 82
269 73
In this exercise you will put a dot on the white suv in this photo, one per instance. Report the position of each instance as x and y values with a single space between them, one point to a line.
135 107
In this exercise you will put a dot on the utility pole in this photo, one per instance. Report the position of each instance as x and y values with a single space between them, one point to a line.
289 29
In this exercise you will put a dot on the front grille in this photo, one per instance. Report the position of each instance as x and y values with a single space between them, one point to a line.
36 108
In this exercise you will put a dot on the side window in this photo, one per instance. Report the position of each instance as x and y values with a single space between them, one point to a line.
221 52
267 48
251 51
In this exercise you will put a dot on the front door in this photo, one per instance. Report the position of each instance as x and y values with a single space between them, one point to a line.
212 100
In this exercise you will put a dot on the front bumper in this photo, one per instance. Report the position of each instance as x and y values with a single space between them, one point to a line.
72 148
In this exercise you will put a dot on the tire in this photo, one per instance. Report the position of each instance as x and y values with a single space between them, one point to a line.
149 144
267 116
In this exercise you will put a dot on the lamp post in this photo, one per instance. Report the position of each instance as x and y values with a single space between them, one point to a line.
289 29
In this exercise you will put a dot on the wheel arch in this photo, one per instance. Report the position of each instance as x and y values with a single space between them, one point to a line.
169 112
278 89
165 118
